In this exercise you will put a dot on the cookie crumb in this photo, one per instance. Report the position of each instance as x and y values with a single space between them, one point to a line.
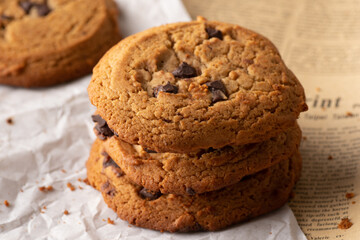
304 138
7 204
10 121
345 223
66 212
86 181
270 232
349 114
353 202
109 221
46 189
330 157
63 170
104 220
80 187
349 195
42 210
69 185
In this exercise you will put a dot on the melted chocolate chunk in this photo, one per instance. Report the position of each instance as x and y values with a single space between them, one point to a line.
26 6
169 88
184 71
218 91
102 127
108 189
118 172
5 17
108 161
148 194
149 151
190 191
42 9
99 120
217 96
194 228
212 32
4 20
216 85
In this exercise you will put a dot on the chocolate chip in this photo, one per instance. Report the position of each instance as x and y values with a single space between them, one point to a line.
101 127
169 88
216 85
42 9
108 161
212 32
184 71
105 186
99 120
118 172
190 191
192 228
217 96
148 194
26 6
108 189
248 61
111 192
4 20
5 17
149 151
218 91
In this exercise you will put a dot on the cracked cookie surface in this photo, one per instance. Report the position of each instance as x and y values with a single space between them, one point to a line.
202 171
255 195
189 86
46 42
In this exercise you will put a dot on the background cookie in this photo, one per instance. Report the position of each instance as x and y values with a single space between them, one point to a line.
49 42
202 171
255 195
189 86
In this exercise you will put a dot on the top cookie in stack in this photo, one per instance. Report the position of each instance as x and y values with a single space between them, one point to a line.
195 85
197 122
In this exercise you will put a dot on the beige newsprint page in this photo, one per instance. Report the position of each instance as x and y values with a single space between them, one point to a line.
320 42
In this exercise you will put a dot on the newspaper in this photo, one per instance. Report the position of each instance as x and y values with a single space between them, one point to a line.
320 42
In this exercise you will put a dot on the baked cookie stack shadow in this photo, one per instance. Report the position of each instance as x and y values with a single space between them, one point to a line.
196 127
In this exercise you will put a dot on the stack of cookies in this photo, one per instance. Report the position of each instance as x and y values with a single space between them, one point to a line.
196 127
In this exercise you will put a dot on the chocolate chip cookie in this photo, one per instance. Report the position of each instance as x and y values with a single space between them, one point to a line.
188 86
202 171
46 42
254 195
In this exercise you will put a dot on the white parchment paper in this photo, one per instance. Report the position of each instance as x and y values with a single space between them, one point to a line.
49 142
